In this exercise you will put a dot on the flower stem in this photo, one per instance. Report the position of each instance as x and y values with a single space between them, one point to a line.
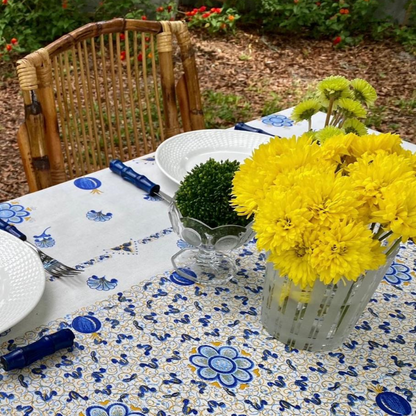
310 124
385 236
393 247
378 233
328 114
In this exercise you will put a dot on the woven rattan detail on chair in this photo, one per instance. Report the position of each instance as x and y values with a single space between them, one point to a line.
34 71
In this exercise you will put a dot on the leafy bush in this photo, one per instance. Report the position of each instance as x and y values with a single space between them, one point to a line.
214 20
205 194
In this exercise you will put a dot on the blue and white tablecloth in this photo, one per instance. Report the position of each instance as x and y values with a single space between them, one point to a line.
150 343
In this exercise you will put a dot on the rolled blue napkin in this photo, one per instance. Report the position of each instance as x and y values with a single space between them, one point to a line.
22 357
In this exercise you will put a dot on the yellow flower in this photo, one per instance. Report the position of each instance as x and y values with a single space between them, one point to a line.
330 198
305 110
397 210
336 148
371 143
350 108
329 131
280 220
346 250
352 125
363 91
333 88
255 176
371 174
295 262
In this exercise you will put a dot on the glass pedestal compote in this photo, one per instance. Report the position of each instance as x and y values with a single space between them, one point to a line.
207 260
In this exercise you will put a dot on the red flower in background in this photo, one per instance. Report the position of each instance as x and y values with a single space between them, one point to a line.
169 9
5 2
202 9
337 40
205 15
144 18
122 36
344 11
14 41
160 9
9 48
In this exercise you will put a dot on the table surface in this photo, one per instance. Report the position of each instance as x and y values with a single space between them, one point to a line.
149 343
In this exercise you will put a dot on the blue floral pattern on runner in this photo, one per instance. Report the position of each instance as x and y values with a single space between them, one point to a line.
101 283
13 213
99 216
44 240
223 364
277 120
115 409
398 273
88 184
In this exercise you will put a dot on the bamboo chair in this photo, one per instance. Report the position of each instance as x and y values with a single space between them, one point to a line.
86 104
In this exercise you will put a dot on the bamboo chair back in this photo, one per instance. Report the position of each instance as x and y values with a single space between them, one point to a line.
107 90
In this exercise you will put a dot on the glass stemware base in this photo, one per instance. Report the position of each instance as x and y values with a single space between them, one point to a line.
207 260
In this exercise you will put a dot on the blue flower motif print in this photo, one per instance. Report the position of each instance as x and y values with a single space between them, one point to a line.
223 364
101 283
99 216
89 184
277 120
397 274
13 214
44 240
393 404
115 409
86 324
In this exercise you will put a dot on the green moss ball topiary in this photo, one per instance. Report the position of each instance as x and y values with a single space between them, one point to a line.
205 194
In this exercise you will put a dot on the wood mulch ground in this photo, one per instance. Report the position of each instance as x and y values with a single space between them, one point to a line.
258 68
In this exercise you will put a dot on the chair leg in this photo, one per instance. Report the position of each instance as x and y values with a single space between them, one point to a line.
24 147
182 95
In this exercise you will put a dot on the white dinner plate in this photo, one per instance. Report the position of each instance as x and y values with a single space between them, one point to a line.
177 155
22 280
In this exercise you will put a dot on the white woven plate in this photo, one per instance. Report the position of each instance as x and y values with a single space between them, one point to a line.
177 155
22 280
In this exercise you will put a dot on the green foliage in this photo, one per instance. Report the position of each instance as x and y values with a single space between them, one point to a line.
205 194
338 20
214 19
34 23
224 110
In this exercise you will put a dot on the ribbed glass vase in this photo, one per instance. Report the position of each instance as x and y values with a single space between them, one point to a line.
317 319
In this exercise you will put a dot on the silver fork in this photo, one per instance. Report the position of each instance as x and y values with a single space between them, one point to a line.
51 265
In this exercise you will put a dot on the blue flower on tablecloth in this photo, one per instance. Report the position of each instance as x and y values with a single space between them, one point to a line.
223 364
88 184
86 324
13 213
277 120
44 240
398 273
99 216
101 283
115 409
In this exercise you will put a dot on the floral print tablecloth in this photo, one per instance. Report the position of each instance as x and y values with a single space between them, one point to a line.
171 347
148 342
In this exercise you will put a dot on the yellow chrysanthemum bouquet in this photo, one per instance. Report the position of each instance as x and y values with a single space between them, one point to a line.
328 211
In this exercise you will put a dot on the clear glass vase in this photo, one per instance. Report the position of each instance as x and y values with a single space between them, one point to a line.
320 318
207 260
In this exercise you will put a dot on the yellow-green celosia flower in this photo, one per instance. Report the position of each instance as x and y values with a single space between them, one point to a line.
305 110
352 125
333 88
350 108
363 91
327 132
